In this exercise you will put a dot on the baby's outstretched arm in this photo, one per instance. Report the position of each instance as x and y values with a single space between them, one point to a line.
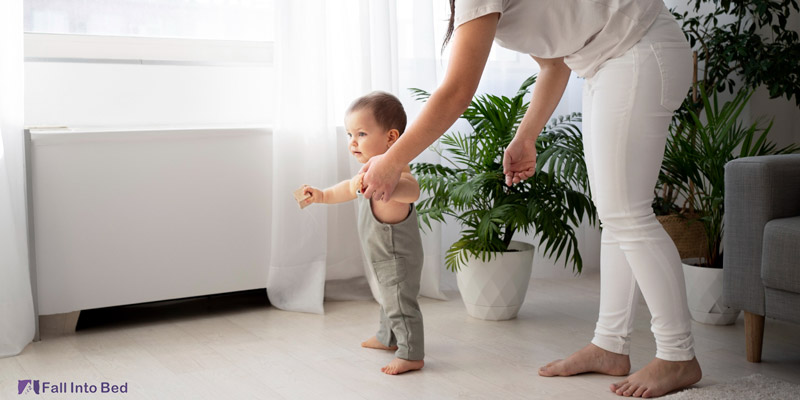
339 193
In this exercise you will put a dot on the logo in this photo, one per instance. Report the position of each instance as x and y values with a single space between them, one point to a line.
25 386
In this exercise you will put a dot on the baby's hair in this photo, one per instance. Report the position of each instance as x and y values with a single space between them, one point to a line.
386 109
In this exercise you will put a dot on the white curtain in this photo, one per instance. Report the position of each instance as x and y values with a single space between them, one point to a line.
16 302
327 54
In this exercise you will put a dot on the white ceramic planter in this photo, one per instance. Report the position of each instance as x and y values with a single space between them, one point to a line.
495 290
704 293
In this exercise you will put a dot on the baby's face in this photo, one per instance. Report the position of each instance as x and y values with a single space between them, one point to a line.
365 137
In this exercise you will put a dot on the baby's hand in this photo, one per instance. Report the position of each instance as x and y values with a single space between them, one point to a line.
312 195
355 184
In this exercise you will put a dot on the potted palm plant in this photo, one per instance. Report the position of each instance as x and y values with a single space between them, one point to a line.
710 142
493 269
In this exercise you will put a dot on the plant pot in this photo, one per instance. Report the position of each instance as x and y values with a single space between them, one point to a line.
704 293
495 290
687 232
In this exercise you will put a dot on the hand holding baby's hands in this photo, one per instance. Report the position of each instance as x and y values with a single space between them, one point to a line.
356 184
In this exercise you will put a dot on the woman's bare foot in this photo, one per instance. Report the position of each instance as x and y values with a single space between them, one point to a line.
374 343
589 359
659 378
399 365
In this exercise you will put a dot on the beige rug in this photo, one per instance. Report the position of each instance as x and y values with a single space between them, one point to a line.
747 388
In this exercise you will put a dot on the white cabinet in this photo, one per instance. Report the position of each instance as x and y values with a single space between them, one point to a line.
132 216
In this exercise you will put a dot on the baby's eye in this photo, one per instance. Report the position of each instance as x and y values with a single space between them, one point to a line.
362 134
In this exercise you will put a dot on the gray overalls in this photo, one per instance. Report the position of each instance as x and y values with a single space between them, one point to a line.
395 253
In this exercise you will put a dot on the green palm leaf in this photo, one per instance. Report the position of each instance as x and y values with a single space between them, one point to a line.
471 190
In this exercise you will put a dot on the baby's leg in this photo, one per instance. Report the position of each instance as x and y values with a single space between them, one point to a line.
405 319
384 339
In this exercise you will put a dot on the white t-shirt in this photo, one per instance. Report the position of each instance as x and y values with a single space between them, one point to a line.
585 32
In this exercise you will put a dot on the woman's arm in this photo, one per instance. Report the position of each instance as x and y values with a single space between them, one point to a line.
519 160
547 92
470 50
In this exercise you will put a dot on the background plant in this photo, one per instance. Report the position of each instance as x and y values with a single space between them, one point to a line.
754 47
701 152
471 189
741 48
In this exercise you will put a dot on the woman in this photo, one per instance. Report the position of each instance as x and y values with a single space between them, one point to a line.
636 62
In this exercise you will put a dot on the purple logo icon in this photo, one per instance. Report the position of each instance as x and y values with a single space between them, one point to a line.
25 386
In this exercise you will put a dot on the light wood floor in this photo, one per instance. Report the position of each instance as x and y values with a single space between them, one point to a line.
239 347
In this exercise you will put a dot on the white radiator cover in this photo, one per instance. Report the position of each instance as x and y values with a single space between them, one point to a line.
132 216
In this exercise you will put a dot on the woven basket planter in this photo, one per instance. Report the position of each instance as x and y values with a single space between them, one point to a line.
688 233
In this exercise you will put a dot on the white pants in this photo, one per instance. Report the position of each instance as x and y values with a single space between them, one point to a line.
627 107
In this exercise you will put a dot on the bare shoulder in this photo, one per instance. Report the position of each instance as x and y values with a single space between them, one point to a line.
407 175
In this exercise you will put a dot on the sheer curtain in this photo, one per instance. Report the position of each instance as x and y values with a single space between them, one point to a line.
16 302
326 55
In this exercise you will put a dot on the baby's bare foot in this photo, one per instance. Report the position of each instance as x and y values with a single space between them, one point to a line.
399 365
374 343
659 378
589 359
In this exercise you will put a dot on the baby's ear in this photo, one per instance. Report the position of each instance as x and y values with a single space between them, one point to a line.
393 135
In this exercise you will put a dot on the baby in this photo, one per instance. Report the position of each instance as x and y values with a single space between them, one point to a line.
388 230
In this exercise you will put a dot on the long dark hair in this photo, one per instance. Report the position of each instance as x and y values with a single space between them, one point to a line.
450 27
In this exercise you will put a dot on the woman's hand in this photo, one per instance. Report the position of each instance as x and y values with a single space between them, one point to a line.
314 195
519 160
381 176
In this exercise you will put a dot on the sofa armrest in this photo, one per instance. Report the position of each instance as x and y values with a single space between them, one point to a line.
757 190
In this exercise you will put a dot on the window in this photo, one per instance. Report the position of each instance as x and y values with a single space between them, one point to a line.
126 63
178 32
240 20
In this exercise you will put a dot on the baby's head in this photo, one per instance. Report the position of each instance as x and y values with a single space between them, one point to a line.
373 123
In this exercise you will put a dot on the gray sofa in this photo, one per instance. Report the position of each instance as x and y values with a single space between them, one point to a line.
762 242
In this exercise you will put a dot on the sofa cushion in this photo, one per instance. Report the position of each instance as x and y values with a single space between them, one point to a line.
780 260
782 305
